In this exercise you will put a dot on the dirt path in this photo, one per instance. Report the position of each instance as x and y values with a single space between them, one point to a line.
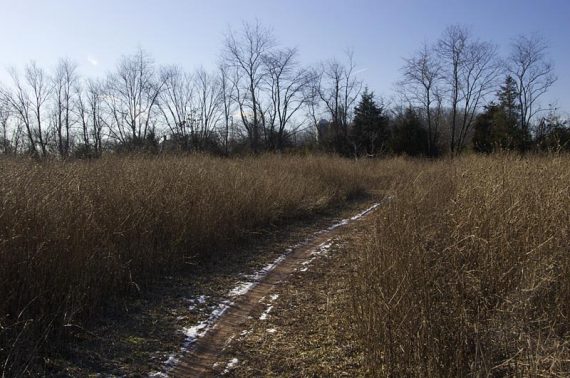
205 351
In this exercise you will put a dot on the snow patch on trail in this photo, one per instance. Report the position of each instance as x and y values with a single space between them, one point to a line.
241 289
158 374
322 249
199 330
194 333
195 302
365 212
228 342
171 361
355 217
265 313
252 280
231 365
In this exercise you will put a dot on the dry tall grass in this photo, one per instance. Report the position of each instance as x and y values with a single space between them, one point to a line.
74 235
467 271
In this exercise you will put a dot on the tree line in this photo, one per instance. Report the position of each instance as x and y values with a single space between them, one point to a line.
454 94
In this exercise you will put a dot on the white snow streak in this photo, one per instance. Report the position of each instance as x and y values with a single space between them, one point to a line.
241 289
322 249
266 313
158 374
356 217
194 302
232 364
199 330
252 280
171 361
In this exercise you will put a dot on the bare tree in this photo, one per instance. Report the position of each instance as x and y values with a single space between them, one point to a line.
83 115
5 144
89 104
208 104
312 101
10 127
40 90
533 73
286 83
133 92
64 82
471 69
479 74
244 53
18 102
26 102
338 89
451 48
15 138
227 92
421 87
176 105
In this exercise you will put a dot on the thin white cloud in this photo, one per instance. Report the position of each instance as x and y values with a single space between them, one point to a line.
92 60
361 70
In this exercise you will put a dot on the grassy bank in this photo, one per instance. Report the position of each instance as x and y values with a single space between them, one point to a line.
467 271
77 235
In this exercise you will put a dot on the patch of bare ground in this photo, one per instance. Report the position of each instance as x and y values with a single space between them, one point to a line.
306 332
140 335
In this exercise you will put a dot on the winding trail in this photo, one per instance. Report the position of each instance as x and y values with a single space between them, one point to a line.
205 351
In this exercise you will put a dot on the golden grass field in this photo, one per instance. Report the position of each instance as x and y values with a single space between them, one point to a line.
76 235
465 271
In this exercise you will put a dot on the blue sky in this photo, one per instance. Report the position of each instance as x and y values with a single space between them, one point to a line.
95 33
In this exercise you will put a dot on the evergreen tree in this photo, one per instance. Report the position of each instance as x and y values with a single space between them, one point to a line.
369 133
509 131
409 136
484 130
498 126
507 96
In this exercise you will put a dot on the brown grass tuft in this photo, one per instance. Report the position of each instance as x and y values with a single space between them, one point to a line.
76 235
467 270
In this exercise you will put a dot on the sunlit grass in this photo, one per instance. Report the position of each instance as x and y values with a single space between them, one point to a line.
467 271
76 235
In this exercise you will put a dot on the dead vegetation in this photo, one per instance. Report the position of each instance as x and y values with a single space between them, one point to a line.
467 271
77 235
306 333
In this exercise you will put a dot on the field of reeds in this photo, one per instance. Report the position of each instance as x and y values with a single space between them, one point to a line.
77 235
467 270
